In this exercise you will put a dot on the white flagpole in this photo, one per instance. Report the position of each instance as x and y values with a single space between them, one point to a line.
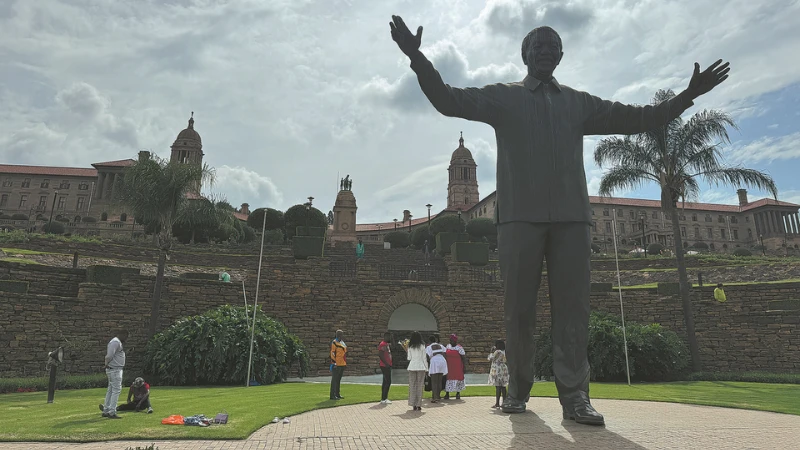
255 302
619 287
244 292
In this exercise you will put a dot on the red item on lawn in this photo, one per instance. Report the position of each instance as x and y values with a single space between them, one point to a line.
173 420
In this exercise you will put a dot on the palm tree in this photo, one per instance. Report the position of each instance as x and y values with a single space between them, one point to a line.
156 191
676 156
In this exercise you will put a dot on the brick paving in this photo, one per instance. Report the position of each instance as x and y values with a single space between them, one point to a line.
471 424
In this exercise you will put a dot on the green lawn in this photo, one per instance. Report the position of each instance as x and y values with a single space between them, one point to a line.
75 416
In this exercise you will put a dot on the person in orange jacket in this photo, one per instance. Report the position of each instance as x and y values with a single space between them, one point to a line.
338 363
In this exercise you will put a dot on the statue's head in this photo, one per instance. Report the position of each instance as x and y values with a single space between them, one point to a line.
542 51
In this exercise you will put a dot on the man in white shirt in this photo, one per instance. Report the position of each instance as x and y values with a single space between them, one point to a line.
114 363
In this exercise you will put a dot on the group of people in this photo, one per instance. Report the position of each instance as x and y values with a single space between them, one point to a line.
139 391
433 367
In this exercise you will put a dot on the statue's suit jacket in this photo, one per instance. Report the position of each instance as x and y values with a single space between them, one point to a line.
539 129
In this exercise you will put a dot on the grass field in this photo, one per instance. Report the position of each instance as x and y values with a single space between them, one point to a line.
74 416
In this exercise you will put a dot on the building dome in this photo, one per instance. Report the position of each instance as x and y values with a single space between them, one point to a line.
189 134
462 154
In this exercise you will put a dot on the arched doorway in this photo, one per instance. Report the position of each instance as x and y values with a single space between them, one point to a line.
406 319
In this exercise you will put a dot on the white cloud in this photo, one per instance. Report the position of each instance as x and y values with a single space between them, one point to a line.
301 93
768 149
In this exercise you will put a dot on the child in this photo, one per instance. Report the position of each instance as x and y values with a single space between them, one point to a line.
498 375
140 391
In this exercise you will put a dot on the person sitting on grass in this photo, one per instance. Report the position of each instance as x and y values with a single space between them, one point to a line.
140 391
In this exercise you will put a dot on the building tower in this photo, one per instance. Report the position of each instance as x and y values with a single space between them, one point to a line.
462 187
188 148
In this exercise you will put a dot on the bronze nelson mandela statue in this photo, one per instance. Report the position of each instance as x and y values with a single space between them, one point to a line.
542 210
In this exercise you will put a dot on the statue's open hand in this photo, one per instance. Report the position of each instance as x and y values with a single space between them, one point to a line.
708 79
407 42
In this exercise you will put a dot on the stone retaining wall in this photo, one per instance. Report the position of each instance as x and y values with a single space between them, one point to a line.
44 279
751 332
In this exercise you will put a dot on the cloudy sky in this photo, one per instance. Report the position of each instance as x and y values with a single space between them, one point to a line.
289 93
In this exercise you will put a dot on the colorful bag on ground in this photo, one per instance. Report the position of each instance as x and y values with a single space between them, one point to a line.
221 418
197 420
173 420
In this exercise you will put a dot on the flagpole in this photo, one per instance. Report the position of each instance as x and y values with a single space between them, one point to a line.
255 302
619 287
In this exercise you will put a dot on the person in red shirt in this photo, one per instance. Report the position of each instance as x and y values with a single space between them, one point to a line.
385 355
140 391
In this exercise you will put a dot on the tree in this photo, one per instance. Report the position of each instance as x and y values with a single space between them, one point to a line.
450 223
197 217
275 219
676 156
418 237
482 227
155 191
299 216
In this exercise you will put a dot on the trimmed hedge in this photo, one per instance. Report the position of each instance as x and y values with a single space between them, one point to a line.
398 239
35 384
108 274
89 219
753 377
305 246
53 228
741 251
655 354
310 231
654 249
445 240
19 217
17 287
475 253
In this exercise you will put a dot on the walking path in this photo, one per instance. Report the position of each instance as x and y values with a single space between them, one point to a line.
470 423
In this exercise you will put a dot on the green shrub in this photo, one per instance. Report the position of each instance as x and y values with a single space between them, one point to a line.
754 377
450 223
53 228
89 219
63 382
273 237
275 219
19 217
655 248
595 248
481 227
63 219
298 216
418 237
5 217
249 234
700 245
654 353
40 217
398 239
213 349
741 251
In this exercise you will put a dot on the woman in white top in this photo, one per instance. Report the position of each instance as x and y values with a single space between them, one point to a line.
417 366
438 367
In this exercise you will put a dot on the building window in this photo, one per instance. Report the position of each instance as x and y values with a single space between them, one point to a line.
734 219
655 215
62 202
64 184
720 219
620 213
749 233
7 183
3 200
736 235
683 232
83 186
466 200
694 217
26 183
592 212
682 217
668 216
708 218
633 215
697 232
608 227
23 200
81 202
722 233
605 212
622 228
594 225
710 233
42 202
747 218
45 183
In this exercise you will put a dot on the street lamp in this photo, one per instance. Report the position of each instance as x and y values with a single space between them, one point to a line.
50 223
644 246
308 211
429 221
395 224
763 250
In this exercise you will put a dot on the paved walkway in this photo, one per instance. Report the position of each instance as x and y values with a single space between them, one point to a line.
471 424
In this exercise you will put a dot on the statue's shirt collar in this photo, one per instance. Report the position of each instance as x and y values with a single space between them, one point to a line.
532 83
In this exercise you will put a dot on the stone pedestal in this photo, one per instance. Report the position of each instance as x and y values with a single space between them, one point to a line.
344 218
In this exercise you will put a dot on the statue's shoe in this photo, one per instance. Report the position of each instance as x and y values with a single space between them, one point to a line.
512 406
579 409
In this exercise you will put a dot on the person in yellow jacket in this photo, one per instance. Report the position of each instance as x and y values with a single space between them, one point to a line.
719 294
338 363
